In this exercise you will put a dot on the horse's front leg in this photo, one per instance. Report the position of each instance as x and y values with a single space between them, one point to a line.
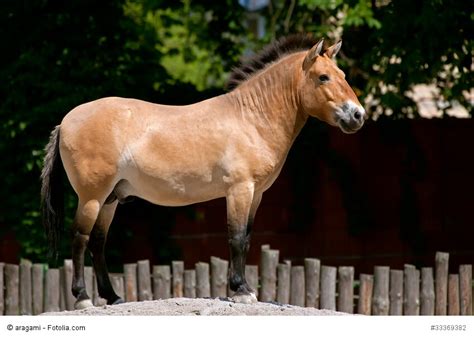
242 203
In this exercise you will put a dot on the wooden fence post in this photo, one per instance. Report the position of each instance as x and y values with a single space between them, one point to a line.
365 294
2 289
177 269
441 284
26 304
190 283
219 270
427 295
62 296
118 284
312 267
453 295
251 274
345 300
465 289
12 292
411 294
203 284
269 262
380 299
130 276
67 292
161 282
89 280
144 280
396 293
297 287
52 291
37 283
283 283
328 287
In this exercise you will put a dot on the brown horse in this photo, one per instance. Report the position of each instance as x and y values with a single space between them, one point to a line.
231 146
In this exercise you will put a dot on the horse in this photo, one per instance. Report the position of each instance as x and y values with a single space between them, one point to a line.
233 146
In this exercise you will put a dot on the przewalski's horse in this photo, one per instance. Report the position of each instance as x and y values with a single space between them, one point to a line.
231 146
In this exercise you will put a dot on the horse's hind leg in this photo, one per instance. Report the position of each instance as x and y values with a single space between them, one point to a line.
241 206
97 241
84 220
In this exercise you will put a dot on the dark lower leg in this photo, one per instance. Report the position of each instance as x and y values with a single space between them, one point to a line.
96 246
239 245
79 244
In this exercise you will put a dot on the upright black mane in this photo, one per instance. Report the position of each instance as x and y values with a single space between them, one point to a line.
270 53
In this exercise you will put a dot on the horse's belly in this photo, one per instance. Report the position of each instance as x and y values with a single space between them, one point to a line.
169 192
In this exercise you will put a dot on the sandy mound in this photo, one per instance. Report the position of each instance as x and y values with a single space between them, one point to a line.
197 307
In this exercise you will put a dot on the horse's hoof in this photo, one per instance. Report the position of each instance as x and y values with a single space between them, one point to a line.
118 301
83 304
245 298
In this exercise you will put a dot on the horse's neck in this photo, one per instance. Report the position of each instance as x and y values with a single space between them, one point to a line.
269 101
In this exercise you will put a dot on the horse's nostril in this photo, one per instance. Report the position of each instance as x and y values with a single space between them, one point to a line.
357 115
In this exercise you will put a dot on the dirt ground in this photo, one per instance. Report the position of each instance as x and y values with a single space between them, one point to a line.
197 307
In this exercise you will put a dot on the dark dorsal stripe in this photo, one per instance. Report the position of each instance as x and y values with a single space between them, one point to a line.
270 53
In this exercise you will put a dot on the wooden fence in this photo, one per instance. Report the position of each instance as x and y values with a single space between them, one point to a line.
30 289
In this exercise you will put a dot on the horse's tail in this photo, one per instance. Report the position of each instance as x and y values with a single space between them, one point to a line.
52 192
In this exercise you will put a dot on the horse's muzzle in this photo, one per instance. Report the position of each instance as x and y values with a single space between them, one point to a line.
350 117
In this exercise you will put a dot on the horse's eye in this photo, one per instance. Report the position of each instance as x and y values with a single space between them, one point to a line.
324 78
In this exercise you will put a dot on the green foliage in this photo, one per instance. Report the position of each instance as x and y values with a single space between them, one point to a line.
182 36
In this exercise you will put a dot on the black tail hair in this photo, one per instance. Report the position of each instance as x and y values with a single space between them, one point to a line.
52 193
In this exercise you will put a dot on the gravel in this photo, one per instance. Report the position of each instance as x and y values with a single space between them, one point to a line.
197 307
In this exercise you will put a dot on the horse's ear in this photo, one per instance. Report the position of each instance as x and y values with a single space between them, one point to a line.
312 55
334 49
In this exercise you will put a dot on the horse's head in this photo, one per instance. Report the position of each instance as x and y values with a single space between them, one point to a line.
325 93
